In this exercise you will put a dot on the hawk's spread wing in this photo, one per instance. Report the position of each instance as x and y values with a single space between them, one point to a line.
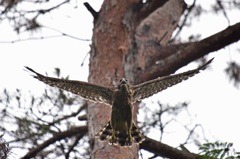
86 90
149 88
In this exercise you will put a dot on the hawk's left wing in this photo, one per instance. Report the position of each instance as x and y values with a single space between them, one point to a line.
86 90
149 88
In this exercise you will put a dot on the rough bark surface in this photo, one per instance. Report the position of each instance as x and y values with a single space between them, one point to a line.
114 55
152 32
110 46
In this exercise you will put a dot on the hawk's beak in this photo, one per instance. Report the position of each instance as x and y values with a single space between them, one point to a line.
123 81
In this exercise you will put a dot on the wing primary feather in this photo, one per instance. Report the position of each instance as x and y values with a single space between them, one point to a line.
151 87
86 90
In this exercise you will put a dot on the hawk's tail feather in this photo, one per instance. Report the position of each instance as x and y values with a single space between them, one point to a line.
136 134
121 139
106 134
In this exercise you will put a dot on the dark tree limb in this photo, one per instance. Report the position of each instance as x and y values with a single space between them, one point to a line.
82 117
71 148
73 114
186 16
91 10
43 11
59 136
177 56
164 150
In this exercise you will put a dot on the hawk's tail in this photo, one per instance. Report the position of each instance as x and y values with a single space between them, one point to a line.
122 139
136 134
105 133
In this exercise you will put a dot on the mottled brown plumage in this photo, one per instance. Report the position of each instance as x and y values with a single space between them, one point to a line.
120 130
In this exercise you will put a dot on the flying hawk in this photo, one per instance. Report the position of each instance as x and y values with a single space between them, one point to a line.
120 130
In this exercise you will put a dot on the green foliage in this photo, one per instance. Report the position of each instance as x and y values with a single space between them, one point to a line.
218 150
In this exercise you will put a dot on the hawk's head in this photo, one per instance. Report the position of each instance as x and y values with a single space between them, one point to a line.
123 81
123 84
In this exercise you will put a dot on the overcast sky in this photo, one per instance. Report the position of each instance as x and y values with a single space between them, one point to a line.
214 102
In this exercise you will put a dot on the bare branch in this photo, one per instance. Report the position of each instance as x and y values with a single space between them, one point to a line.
44 37
189 9
177 56
83 117
78 137
59 136
43 11
91 10
164 150
83 107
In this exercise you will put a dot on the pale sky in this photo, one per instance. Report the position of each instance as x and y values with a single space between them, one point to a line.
214 102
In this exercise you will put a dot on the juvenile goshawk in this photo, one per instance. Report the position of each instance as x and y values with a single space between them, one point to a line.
120 130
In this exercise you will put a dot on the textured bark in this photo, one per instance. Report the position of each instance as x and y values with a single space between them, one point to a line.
153 31
110 44
116 52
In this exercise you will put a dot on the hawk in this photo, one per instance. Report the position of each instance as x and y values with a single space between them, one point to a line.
120 130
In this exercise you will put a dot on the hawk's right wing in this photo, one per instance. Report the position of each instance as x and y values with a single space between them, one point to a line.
86 90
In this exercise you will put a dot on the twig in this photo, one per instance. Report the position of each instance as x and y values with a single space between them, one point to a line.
185 19
91 10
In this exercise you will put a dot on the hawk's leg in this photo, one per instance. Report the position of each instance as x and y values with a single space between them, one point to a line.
113 137
130 139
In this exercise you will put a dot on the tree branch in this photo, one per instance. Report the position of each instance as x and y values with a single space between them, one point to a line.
183 23
71 148
164 150
174 57
59 136
91 10
73 114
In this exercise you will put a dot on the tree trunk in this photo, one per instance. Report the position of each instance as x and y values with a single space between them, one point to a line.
125 35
